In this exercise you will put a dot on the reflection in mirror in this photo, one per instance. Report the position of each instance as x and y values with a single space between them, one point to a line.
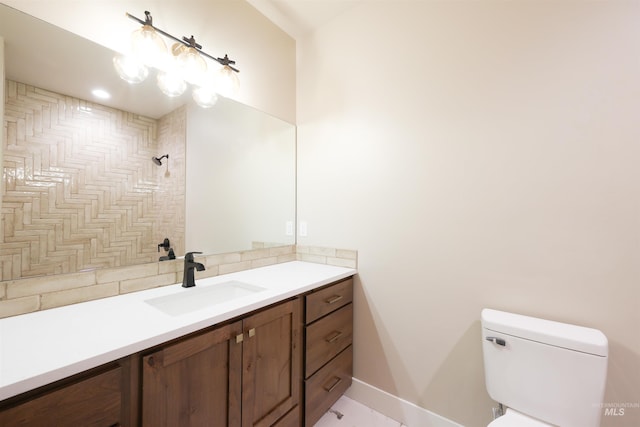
240 178
80 189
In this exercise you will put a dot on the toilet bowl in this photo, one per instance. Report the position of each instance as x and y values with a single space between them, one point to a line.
516 419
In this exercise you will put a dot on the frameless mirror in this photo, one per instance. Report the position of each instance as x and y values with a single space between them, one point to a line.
80 189
240 178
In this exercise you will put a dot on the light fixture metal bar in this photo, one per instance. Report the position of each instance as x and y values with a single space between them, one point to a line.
222 61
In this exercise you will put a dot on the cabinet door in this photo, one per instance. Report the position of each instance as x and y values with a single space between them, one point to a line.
271 365
195 382
95 401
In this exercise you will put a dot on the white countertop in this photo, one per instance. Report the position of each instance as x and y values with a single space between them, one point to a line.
45 346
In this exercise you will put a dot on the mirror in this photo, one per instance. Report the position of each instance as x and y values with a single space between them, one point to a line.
80 190
240 178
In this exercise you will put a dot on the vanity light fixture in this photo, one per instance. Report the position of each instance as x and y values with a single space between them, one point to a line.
183 63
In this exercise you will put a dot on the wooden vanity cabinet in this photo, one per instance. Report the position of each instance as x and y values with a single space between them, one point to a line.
246 373
328 347
97 398
253 371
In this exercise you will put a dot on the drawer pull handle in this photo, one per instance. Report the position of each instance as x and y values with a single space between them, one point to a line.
334 299
335 337
334 385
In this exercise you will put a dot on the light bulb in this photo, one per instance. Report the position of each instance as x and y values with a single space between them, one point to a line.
177 49
191 65
204 96
130 69
228 83
148 46
171 84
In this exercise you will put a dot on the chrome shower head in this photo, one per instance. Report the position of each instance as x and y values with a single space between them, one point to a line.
158 160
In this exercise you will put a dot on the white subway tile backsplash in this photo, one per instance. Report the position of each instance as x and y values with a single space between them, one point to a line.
73 296
39 293
125 273
15 306
254 254
286 257
282 250
233 267
142 283
263 262
320 259
342 262
329 252
347 254
43 284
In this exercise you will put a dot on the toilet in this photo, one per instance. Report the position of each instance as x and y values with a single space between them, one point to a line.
545 373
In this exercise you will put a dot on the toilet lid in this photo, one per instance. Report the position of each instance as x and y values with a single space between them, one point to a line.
513 418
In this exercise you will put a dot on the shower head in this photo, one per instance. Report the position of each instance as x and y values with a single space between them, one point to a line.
158 160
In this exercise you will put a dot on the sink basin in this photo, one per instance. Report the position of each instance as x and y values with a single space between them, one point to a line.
197 298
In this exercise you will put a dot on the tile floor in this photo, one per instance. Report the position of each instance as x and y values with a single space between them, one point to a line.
354 414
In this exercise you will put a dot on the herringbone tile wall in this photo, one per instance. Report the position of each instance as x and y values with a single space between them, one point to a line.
79 188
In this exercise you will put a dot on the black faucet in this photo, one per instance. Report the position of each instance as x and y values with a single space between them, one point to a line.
170 255
166 244
188 280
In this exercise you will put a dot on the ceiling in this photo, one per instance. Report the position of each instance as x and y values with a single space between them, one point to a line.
300 17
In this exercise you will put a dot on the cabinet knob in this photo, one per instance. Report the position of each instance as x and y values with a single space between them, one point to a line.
252 332
239 338
150 361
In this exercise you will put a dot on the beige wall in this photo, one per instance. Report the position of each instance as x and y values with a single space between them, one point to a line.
477 154
264 54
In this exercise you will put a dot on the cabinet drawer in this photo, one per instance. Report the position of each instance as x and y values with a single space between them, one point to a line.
95 401
328 299
328 337
327 385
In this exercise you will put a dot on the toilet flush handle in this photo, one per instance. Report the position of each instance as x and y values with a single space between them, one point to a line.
497 340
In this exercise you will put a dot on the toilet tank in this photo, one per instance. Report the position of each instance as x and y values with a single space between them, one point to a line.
551 371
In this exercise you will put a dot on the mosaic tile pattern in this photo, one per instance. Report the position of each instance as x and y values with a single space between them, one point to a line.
79 188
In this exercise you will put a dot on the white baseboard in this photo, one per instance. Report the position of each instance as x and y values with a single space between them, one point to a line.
407 413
